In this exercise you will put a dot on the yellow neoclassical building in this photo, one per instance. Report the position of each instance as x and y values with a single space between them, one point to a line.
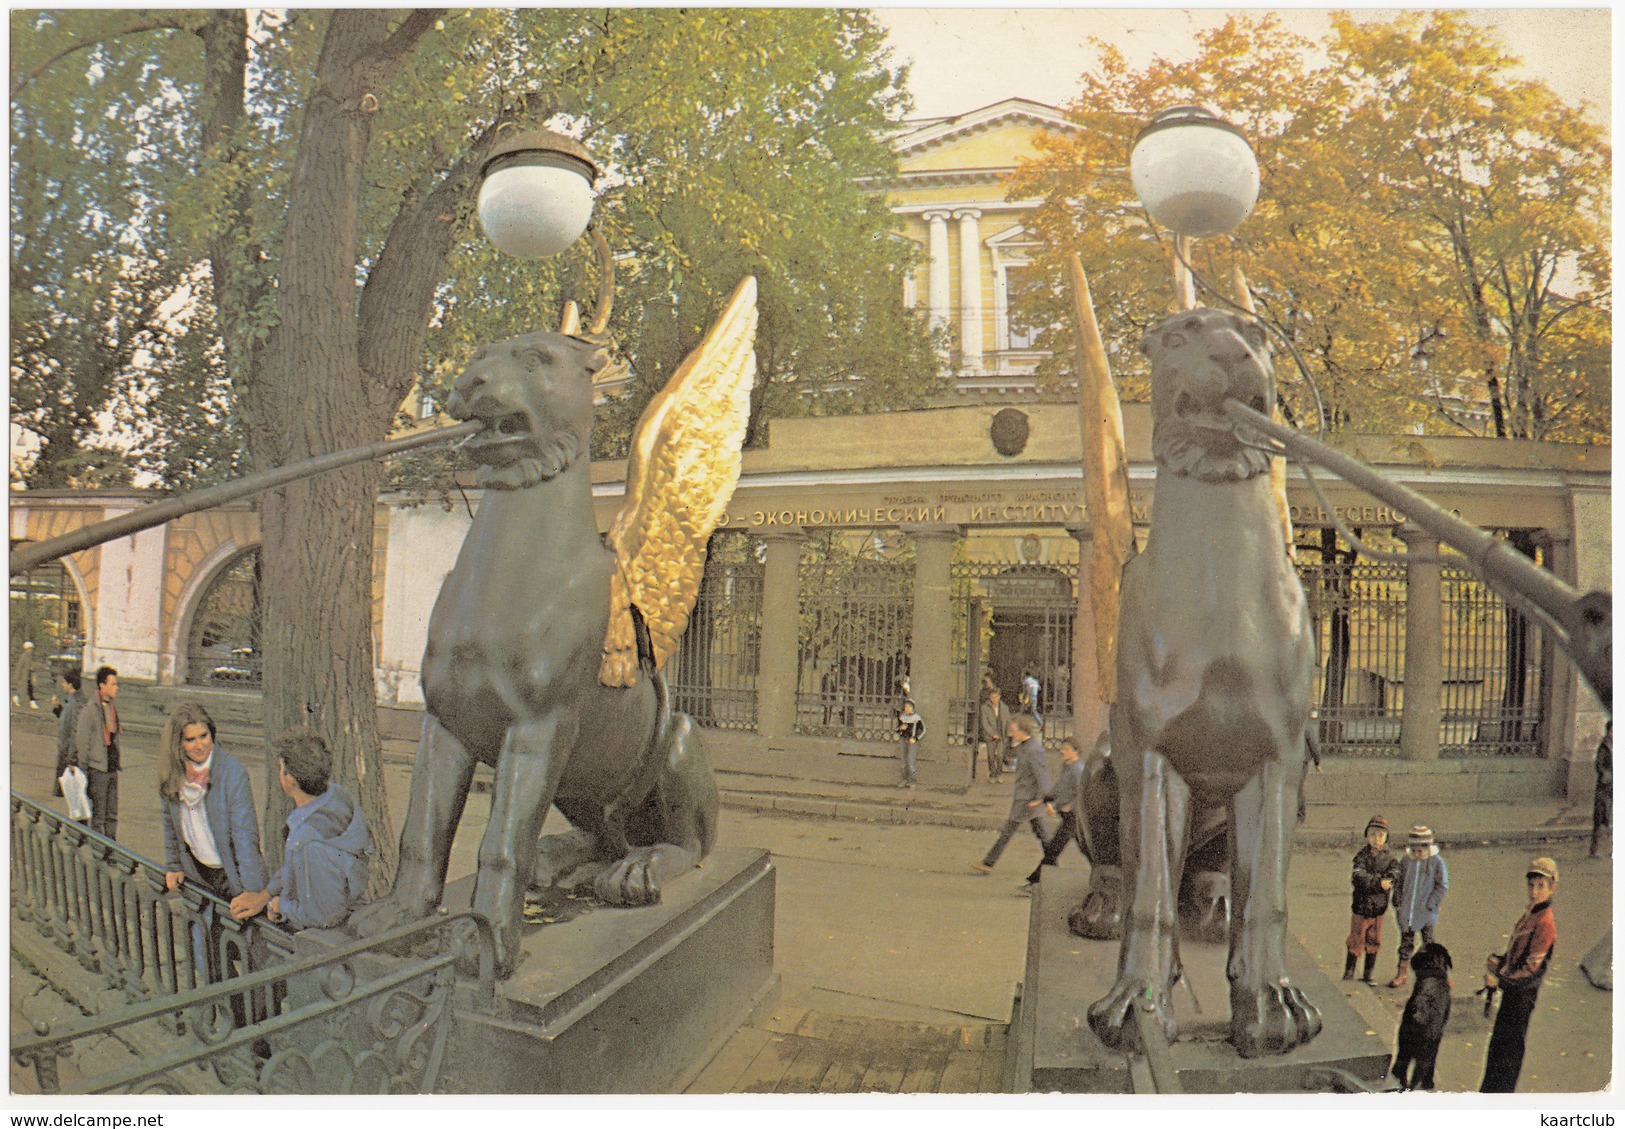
949 197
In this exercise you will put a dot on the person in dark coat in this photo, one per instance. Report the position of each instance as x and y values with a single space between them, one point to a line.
1066 799
1517 974
73 700
1375 871
1032 785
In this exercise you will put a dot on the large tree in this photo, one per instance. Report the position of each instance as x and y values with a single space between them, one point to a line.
325 164
1431 236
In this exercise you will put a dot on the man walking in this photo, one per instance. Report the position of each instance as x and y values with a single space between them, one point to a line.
95 750
1032 785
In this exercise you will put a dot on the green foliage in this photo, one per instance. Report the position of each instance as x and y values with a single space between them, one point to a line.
1432 232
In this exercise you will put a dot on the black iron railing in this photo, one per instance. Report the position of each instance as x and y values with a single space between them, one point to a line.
346 1021
107 908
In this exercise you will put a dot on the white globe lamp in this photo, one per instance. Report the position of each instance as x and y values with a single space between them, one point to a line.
536 193
1194 172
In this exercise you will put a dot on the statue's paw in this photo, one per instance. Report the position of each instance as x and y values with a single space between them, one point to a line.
636 879
560 856
1110 1018
1100 917
1271 1020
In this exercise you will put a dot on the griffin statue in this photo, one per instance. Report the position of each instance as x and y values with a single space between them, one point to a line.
547 641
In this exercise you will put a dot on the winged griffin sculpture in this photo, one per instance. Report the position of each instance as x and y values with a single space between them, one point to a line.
1207 658
546 644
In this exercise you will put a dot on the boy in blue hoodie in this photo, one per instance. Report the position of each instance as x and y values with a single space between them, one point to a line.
324 862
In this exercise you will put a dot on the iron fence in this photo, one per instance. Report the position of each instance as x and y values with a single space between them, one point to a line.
108 909
713 672
1491 694
1357 611
218 1005
1008 619
857 610
333 1031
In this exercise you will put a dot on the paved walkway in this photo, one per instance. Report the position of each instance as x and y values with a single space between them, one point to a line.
984 806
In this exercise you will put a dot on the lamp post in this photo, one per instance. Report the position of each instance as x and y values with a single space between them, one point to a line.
536 200
1197 175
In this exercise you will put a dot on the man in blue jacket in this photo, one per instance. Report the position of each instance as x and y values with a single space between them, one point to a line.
324 863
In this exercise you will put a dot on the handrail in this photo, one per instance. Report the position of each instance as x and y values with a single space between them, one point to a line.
338 1034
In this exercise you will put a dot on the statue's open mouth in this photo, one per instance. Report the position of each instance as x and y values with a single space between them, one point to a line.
508 430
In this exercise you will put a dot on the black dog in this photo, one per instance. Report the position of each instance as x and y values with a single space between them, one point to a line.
1426 1013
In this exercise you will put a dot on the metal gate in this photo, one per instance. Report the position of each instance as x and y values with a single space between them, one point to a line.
1492 688
1493 674
1008 619
712 674
857 612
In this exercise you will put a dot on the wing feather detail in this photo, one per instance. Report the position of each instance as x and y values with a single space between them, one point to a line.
680 476
1105 482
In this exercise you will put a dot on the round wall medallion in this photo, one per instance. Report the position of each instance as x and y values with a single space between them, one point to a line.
1009 432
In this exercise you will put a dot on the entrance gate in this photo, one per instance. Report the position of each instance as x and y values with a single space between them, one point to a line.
1008 619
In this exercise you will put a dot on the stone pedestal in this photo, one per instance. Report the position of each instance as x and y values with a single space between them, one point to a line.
625 1001
1055 1051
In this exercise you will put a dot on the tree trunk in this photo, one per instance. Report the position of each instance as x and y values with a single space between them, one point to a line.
308 397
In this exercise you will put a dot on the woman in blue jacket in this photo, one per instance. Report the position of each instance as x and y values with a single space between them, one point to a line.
1418 894
211 826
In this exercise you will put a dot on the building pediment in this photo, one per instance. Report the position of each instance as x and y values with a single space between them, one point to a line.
978 146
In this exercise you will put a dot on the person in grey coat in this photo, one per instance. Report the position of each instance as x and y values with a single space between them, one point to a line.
1067 801
993 722
96 734
1032 785
1418 894
211 825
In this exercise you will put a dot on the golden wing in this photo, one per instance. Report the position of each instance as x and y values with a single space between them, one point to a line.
682 471
1105 482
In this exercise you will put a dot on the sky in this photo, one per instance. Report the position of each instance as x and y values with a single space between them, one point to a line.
966 58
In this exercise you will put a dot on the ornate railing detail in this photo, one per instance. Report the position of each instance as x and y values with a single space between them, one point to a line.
107 908
230 1006
349 1020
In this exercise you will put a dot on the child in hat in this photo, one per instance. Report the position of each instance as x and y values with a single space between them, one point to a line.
1518 973
1375 870
1418 894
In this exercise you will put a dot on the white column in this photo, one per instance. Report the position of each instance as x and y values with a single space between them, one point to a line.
970 288
937 294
